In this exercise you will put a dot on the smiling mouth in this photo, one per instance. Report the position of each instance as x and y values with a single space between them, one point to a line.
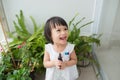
63 38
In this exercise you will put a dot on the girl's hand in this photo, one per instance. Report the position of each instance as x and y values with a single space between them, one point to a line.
63 65
58 63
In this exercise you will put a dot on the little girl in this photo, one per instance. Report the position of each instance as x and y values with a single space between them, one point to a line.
56 33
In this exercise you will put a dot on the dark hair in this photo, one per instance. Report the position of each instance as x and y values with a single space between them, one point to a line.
52 22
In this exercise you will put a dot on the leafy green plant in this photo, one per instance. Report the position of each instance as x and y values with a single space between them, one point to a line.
25 52
83 44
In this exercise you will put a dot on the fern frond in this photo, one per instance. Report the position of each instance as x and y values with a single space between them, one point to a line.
34 23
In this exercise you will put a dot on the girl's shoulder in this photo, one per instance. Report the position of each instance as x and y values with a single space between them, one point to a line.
48 45
70 47
70 44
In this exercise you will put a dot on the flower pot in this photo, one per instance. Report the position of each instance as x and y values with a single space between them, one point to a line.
32 75
84 60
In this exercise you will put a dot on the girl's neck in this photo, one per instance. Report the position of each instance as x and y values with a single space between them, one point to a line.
59 47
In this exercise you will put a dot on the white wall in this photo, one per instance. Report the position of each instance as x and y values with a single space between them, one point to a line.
2 21
1 33
115 35
41 10
107 19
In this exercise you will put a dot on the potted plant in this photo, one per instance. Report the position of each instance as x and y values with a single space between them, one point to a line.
24 54
83 44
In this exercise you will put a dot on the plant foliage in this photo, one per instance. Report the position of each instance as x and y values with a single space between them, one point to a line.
83 44
25 52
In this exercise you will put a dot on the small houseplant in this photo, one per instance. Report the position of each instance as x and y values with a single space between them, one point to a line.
24 54
83 44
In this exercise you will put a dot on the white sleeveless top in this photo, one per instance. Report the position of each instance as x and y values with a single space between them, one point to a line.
53 73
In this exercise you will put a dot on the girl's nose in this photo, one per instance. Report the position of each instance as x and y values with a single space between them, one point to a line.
63 32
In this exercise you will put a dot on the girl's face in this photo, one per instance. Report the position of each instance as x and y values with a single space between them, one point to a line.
59 34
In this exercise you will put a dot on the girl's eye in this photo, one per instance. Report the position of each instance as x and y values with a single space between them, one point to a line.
58 30
65 29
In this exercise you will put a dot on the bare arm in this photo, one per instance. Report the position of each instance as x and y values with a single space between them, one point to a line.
46 62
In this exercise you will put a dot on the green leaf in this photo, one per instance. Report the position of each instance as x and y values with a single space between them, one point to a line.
79 21
86 24
34 23
21 22
71 21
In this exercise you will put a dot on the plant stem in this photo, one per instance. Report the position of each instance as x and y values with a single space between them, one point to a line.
2 48
5 36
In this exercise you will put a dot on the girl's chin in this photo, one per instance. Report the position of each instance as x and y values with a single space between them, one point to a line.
63 42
